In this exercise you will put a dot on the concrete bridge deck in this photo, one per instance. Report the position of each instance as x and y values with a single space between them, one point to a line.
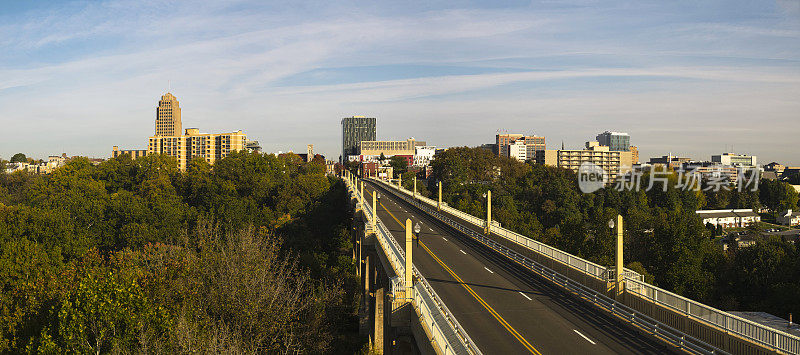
503 307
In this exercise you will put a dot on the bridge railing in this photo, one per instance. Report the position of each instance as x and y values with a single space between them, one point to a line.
447 335
581 265
768 337
753 332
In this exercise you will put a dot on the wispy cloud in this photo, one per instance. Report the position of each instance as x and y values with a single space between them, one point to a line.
231 64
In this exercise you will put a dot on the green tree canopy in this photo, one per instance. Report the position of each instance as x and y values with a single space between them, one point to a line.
19 158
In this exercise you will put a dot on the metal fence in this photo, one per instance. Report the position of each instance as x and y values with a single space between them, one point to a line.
446 334
765 336
587 267
758 333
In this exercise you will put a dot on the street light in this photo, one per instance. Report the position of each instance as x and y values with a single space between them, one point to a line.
417 229
611 223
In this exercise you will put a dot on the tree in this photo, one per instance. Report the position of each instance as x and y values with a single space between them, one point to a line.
382 157
399 165
19 158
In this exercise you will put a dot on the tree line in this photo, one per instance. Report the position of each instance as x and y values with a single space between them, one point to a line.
665 240
251 255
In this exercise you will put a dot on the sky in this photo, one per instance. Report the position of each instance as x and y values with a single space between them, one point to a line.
690 78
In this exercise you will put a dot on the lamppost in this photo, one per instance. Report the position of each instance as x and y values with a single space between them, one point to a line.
416 231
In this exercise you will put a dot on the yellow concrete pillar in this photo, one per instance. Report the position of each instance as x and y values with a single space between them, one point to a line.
409 264
361 198
620 264
374 209
400 180
439 204
415 186
488 212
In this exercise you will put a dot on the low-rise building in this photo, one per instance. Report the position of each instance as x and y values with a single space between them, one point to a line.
42 167
134 153
614 163
789 218
734 218
423 155
670 161
376 170
370 149
210 147
735 160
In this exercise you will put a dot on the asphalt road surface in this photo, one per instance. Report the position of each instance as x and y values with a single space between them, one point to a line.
504 308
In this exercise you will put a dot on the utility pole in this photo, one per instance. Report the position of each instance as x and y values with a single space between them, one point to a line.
409 264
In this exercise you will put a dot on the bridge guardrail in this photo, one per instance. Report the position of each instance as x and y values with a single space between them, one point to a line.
758 333
643 322
584 266
445 331
765 336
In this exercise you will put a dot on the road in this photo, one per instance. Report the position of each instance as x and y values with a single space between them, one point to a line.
504 308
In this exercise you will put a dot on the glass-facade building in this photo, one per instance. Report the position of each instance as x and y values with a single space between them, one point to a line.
355 130
615 141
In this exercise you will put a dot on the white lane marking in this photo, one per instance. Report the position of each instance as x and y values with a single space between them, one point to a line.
526 296
431 229
587 339
462 252
445 239
487 269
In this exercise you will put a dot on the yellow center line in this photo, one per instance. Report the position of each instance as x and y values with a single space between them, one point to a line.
472 292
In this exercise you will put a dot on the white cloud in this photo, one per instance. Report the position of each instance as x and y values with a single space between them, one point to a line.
224 59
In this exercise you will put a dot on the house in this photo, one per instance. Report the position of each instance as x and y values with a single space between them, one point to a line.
737 218
789 218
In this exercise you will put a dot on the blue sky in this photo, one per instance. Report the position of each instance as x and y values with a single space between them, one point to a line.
686 77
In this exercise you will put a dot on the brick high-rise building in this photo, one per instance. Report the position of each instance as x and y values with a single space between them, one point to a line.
168 116
532 145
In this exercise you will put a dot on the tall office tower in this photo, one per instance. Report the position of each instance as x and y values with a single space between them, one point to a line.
615 141
355 130
168 117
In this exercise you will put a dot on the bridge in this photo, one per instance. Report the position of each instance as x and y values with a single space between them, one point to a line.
474 289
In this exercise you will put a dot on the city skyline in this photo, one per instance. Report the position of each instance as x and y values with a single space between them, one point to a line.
691 80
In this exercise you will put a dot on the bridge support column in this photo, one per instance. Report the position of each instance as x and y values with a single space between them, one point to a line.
379 327
374 210
415 186
366 313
